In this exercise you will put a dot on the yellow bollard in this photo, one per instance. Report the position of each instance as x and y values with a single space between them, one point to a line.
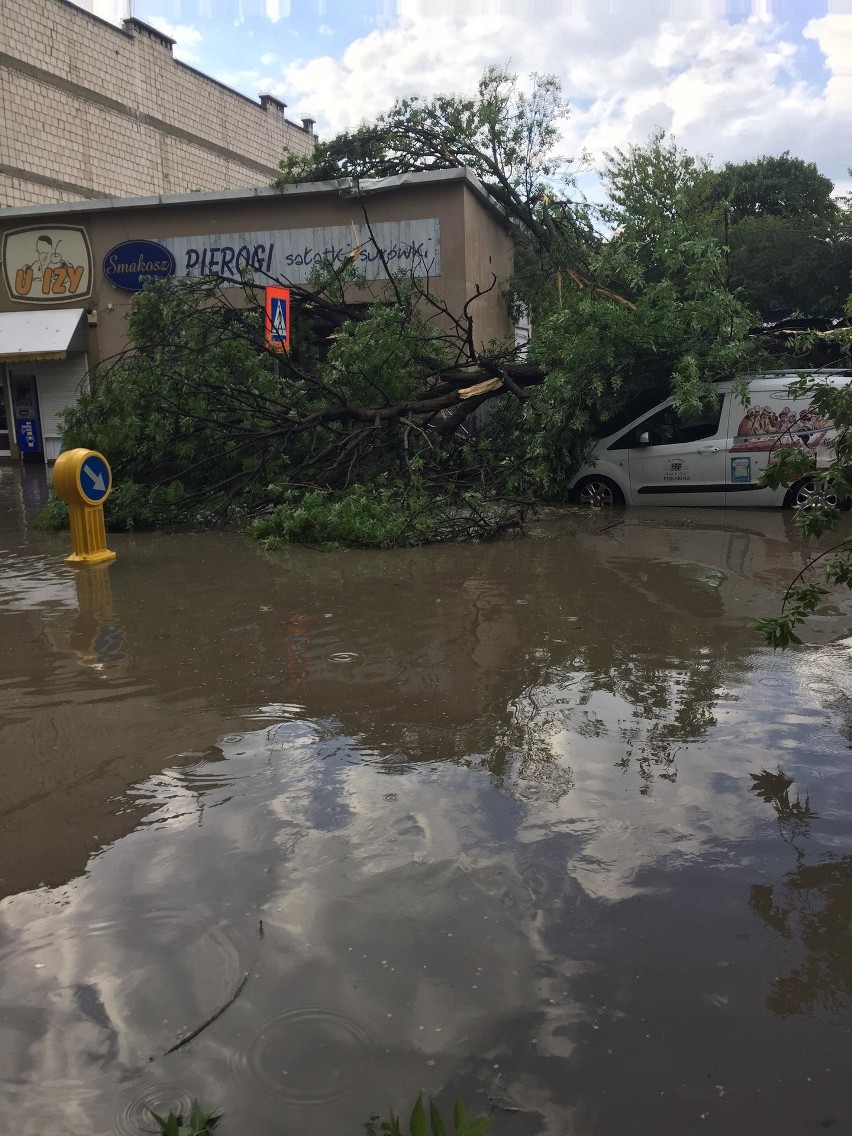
83 479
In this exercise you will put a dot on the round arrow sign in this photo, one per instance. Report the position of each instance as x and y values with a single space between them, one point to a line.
94 478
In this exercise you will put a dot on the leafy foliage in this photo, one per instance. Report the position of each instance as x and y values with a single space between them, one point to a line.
433 1125
790 239
776 186
505 134
379 516
781 264
833 401
199 1123
178 414
204 426
659 316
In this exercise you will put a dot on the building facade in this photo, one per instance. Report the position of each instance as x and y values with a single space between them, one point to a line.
69 272
89 110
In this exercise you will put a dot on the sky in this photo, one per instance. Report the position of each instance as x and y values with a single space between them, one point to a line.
728 79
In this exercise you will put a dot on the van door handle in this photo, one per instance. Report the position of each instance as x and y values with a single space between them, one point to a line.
710 450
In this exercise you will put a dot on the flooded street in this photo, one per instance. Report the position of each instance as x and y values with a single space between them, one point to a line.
538 822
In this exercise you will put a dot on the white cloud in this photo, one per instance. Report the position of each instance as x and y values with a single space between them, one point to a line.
833 35
729 91
268 58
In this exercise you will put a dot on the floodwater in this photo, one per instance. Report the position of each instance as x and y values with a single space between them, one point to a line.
538 822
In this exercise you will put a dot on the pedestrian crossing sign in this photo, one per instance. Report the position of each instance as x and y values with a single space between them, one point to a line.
278 318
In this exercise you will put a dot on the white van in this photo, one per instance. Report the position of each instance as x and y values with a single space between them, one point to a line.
712 458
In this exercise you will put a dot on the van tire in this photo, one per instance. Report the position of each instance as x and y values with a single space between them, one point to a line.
597 492
808 492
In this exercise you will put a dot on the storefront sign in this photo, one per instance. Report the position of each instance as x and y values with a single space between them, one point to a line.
409 247
131 263
47 266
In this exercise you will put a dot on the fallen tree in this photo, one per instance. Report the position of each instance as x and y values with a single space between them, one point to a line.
382 405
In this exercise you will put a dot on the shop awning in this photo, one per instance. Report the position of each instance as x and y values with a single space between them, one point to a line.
42 334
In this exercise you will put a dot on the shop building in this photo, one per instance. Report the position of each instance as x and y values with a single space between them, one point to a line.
69 272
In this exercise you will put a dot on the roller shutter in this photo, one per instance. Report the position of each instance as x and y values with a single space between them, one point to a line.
58 386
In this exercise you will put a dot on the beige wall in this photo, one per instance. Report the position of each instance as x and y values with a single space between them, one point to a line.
489 253
91 110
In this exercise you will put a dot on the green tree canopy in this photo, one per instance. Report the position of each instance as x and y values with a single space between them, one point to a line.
779 186
790 239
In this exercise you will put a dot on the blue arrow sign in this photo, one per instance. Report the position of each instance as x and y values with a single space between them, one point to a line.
95 479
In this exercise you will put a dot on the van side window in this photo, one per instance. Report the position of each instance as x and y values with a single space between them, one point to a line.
667 428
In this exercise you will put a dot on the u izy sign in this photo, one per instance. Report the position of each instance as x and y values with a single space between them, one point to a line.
47 265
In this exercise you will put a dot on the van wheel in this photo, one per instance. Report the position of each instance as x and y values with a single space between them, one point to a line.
807 493
599 492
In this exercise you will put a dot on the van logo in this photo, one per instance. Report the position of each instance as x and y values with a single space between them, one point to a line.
676 469
131 263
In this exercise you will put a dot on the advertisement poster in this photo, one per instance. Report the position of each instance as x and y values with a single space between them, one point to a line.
764 430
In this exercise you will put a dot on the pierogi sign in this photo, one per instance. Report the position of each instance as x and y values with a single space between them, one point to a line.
47 265
409 247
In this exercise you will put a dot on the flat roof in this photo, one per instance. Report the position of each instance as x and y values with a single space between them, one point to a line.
343 187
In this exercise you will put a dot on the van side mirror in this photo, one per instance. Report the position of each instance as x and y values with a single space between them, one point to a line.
644 439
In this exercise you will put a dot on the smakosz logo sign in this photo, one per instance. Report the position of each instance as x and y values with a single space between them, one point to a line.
131 263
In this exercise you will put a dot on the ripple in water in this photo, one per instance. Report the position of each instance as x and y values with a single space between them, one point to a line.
308 1056
205 964
289 711
144 1096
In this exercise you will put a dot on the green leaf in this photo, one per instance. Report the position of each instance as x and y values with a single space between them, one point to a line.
171 1125
459 1115
778 633
200 1122
417 1124
438 1126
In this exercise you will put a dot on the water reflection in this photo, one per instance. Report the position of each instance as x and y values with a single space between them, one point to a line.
794 816
813 905
23 494
503 814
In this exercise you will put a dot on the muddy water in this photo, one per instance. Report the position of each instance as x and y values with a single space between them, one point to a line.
479 820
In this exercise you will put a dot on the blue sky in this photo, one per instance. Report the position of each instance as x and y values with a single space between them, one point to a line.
730 79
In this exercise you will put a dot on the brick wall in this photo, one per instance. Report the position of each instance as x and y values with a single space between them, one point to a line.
91 110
